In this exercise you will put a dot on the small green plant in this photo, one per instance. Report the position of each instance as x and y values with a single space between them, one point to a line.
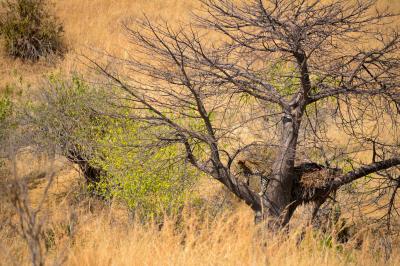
5 111
29 30
5 107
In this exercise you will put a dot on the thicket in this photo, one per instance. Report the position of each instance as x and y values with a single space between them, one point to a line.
140 175
29 30
70 118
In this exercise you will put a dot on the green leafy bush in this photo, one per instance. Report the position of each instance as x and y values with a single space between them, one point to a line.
61 117
29 31
150 180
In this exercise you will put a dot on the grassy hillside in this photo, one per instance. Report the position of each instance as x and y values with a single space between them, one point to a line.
95 25
85 231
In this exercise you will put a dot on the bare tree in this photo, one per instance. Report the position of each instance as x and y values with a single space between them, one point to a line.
31 220
277 74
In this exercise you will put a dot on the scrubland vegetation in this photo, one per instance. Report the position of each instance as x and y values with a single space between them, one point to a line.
211 132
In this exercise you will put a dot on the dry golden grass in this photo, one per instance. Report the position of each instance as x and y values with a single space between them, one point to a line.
80 230
231 240
92 24
104 235
96 25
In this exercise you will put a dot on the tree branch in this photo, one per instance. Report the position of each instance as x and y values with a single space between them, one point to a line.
364 171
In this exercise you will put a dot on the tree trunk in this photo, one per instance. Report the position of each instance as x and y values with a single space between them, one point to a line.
276 199
91 173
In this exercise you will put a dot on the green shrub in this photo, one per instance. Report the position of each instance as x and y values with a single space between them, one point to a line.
151 181
61 117
29 31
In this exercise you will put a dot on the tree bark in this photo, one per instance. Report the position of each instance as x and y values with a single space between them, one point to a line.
277 198
91 173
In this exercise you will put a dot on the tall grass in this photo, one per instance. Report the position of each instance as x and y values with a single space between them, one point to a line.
81 230
226 240
229 239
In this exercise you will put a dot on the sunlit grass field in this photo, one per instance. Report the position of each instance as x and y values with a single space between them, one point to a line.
88 232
